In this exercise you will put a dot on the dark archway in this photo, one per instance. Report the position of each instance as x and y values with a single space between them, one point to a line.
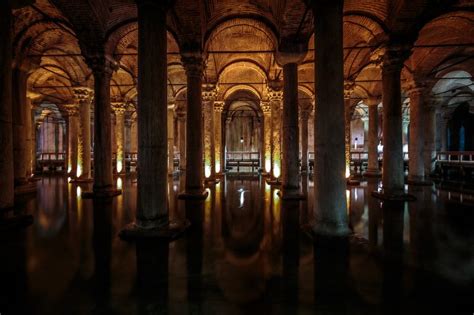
461 129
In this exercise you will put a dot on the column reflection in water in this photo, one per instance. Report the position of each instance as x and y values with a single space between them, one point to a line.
290 251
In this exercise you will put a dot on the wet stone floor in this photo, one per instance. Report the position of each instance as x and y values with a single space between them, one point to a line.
246 252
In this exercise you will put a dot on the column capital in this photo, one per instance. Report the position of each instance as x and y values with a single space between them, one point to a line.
209 92
349 86
192 63
266 108
72 109
219 106
102 64
304 114
119 107
274 95
394 57
82 94
372 100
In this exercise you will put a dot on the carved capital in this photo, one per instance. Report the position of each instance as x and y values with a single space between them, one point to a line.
274 95
193 64
219 106
266 108
209 92
102 64
373 101
83 94
71 109
349 86
119 107
394 57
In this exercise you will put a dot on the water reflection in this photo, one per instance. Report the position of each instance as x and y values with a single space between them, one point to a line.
245 252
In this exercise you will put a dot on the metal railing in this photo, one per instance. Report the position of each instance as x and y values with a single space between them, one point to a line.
455 157
243 160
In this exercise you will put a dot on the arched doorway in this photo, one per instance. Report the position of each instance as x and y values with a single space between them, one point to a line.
461 129
243 132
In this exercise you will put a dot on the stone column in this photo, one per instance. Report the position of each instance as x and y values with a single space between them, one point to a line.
373 163
416 167
304 140
102 68
20 109
84 98
182 139
171 107
6 131
209 95
348 89
276 97
430 140
152 197
393 172
444 133
73 139
119 109
218 153
290 133
267 136
29 137
194 128
329 162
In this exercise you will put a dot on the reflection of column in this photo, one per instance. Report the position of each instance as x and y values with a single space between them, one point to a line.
6 131
73 135
209 95
330 208
119 109
416 166
393 173
276 98
182 139
218 108
430 140
194 131
304 140
373 163
84 99
267 136
170 138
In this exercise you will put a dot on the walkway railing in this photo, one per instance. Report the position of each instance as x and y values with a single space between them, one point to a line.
243 161
455 157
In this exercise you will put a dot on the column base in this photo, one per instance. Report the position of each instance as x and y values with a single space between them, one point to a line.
328 229
15 223
291 194
352 182
25 189
81 180
211 181
273 182
393 196
167 232
34 178
101 193
372 173
193 195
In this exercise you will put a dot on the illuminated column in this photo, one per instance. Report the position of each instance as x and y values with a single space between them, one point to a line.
393 172
73 139
119 109
128 133
29 129
304 140
430 140
218 108
348 89
330 209
209 94
84 98
373 163
171 107
276 97
267 136
193 64
182 139
6 128
416 167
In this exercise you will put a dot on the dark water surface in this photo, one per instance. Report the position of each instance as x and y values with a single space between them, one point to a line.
246 252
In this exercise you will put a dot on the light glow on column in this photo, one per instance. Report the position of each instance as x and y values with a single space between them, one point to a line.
268 165
348 170
79 169
218 166
276 169
119 164
207 169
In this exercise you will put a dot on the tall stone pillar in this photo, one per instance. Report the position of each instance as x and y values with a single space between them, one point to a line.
171 108
29 137
102 67
84 97
430 140
152 199
194 188
267 136
276 96
72 138
373 163
329 162
218 153
182 139
119 109
443 129
20 108
6 131
305 113
209 95
348 89
290 133
393 172
416 167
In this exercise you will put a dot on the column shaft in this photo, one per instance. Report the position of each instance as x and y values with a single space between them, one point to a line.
29 138
416 142
20 105
6 132
170 141
73 136
120 139
304 141
347 135
373 163
208 138
182 140
85 138
290 134
276 136
218 107
267 137
329 164
430 140
152 205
